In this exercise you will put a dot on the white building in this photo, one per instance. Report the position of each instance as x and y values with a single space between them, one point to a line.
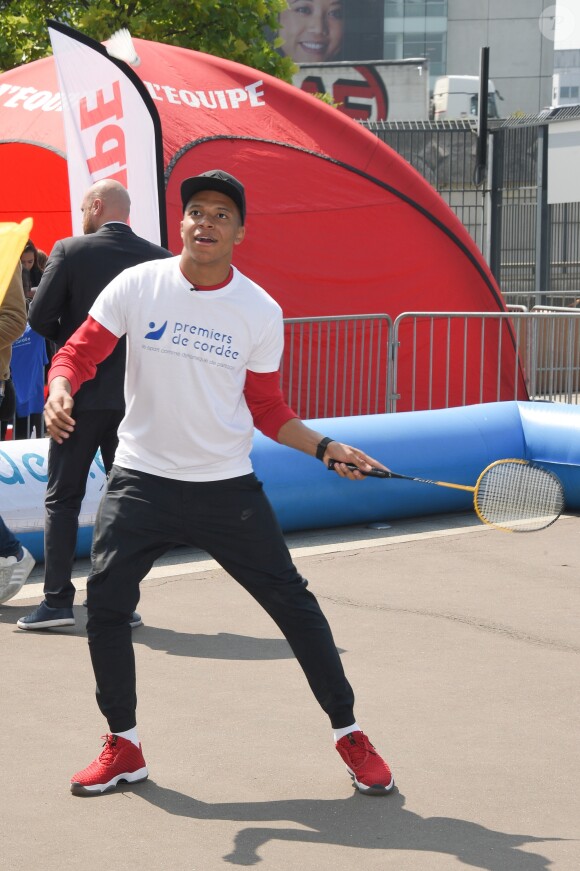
566 81
450 33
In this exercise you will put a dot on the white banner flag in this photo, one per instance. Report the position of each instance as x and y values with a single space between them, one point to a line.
112 130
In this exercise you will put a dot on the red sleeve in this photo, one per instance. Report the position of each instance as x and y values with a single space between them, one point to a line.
266 402
78 359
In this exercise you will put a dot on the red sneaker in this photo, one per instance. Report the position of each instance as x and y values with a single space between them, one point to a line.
119 760
371 774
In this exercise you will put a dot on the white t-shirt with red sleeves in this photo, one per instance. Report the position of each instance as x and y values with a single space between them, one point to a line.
187 354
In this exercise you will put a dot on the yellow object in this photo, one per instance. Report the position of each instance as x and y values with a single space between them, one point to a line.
13 238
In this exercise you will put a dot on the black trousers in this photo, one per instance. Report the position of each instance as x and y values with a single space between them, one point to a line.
141 517
68 469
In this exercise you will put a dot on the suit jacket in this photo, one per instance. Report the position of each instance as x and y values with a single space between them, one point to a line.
76 272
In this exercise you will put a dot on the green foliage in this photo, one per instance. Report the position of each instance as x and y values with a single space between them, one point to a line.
327 98
235 29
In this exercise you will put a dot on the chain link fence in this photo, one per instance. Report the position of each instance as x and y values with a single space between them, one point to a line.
532 248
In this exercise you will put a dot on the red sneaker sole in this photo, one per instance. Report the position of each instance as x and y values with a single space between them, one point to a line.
376 789
101 788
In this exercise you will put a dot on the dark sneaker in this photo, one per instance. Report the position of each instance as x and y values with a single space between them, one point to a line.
135 619
119 760
45 617
13 573
371 774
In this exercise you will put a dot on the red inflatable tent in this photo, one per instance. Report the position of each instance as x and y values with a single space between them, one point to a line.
338 223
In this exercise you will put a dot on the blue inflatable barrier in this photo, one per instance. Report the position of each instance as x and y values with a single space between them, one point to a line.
453 444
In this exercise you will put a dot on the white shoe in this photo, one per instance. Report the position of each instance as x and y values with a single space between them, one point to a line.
13 573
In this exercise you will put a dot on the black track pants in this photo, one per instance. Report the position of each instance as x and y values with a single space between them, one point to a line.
140 518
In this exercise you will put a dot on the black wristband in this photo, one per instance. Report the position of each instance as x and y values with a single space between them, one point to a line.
321 447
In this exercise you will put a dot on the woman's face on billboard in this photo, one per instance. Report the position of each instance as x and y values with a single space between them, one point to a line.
312 30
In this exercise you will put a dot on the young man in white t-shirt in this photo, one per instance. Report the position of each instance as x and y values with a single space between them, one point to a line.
204 345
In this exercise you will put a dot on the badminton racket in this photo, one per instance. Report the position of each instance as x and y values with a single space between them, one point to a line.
512 495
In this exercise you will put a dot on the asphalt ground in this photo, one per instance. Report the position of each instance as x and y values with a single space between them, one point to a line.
462 644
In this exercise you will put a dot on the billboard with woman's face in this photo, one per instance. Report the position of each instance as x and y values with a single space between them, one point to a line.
321 31
312 30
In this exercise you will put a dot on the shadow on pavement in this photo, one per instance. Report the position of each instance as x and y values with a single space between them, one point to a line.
362 822
223 645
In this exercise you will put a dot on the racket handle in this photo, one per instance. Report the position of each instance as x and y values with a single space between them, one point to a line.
374 472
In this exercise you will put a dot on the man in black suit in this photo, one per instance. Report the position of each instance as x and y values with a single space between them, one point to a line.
77 270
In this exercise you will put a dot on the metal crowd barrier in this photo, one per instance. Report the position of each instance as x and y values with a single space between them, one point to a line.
547 355
552 298
350 365
337 366
368 364
24 427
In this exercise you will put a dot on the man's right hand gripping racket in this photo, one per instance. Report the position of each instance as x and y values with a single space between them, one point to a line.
512 495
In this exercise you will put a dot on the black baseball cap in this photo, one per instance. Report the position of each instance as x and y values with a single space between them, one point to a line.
215 180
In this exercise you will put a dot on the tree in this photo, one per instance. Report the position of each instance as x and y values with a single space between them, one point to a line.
235 29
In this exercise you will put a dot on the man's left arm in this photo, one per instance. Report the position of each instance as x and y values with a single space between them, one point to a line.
295 434
274 417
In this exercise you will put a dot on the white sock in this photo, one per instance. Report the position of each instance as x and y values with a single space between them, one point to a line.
340 733
129 735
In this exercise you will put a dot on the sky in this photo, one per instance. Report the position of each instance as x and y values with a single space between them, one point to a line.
567 24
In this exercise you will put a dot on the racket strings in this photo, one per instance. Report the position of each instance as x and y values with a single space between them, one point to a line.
518 497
